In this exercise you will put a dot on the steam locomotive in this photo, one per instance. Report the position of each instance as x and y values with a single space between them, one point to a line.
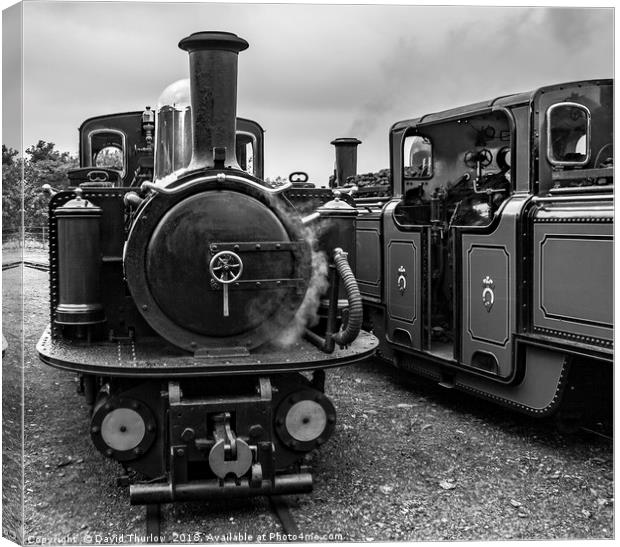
488 254
198 303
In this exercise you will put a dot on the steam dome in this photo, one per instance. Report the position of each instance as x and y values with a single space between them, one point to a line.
173 129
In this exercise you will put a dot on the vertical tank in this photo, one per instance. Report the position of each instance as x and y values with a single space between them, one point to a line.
79 260
336 229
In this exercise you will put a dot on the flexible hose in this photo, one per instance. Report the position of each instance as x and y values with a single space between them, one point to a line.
356 310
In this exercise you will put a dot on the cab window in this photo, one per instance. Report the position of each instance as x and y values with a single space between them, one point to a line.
417 158
245 151
110 157
107 150
568 134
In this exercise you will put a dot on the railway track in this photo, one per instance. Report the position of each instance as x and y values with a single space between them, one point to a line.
282 511
36 265
600 434
278 505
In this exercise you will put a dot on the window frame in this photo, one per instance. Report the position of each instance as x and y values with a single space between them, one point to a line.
550 155
432 155
89 142
254 142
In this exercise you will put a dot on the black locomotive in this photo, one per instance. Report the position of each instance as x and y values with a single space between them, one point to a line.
488 248
190 295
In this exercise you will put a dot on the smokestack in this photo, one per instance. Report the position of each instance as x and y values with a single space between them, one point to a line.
213 83
346 159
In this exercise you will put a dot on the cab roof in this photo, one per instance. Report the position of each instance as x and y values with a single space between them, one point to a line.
512 100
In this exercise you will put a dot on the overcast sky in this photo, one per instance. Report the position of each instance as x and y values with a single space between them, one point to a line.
312 72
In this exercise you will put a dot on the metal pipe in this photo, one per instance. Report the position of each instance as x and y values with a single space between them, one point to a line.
220 177
354 298
310 218
378 199
48 189
577 198
132 199
148 493
356 310
328 344
213 83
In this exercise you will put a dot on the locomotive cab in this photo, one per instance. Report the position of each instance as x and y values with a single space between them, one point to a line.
489 265
455 177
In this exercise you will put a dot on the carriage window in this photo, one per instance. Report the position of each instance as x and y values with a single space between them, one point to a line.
417 158
109 157
568 134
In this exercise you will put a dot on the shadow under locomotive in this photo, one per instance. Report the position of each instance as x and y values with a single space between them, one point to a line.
186 304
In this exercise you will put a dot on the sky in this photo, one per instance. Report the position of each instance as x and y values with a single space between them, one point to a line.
312 73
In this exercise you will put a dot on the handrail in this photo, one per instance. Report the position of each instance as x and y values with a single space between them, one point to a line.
219 177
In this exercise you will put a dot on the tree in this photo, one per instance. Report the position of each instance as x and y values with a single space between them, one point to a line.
23 179
8 155
12 185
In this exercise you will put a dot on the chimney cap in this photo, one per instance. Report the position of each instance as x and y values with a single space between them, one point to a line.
226 41
346 140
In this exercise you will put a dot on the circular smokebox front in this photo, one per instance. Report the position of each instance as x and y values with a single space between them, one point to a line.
221 269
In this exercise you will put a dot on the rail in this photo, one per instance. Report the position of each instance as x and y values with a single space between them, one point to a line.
36 265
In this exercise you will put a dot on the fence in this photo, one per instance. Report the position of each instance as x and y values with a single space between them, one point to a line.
25 238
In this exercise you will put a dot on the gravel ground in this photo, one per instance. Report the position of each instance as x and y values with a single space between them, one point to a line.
12 462
407 462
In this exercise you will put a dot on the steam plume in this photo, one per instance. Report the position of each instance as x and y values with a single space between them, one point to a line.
306 315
